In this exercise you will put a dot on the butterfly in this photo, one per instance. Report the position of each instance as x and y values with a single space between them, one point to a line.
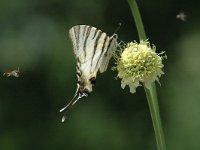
13 73
93 49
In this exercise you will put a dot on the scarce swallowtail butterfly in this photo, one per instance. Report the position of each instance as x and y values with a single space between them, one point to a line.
93 50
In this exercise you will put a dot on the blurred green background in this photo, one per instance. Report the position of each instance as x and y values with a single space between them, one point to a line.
34 36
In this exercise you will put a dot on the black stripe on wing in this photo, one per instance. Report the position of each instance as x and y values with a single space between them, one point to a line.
87 30
103 50
96 41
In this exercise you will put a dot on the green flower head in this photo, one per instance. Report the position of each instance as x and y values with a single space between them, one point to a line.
139 63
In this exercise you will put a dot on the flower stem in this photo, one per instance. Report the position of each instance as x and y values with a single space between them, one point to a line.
151 92
155 115
138 19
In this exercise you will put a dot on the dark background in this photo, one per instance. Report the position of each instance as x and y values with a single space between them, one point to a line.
34 36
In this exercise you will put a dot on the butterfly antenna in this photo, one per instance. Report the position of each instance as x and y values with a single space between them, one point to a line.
64 108
117 29
69 106
71 103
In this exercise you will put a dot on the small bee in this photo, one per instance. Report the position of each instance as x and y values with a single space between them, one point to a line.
13 73
181 16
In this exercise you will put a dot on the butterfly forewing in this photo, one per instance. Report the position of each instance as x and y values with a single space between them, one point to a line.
91 46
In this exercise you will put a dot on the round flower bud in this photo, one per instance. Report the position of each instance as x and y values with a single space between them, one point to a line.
139 63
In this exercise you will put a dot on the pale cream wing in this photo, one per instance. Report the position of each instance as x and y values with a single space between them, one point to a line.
89 45
110 47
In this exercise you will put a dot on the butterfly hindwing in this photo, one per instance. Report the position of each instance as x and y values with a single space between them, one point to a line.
111 45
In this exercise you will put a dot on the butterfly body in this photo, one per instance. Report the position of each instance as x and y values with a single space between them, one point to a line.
93 50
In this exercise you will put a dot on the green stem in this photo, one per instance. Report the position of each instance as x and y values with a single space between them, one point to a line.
138 19
150 93
155 115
